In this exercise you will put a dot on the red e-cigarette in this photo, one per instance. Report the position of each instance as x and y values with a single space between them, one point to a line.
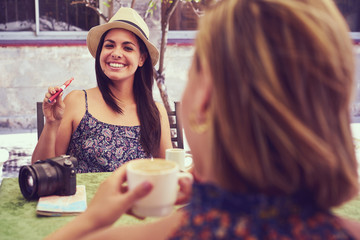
62 88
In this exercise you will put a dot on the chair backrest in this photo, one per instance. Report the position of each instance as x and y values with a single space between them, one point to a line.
176 127
39 118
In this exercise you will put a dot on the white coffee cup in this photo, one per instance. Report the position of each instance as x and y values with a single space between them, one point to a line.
163 175
179 156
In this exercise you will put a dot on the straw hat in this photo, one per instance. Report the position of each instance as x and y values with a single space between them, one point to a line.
126 18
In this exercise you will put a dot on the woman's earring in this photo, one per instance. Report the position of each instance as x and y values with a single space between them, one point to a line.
198 127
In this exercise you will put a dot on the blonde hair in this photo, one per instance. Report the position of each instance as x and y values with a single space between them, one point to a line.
283 75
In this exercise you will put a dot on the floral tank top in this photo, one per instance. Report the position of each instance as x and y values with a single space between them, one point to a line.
103 147
217 214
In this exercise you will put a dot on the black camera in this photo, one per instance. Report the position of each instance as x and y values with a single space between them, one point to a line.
54 176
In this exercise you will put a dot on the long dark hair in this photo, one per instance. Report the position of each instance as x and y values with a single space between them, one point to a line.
147 110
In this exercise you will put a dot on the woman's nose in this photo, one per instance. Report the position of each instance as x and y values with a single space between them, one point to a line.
117 53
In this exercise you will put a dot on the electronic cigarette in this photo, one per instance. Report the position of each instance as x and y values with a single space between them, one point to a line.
62 88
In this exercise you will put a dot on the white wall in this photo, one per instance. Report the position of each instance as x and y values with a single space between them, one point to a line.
27 72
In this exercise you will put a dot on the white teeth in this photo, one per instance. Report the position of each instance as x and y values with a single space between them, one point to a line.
116 65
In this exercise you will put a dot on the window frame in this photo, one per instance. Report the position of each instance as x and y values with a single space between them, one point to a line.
37 36
174 36
41 35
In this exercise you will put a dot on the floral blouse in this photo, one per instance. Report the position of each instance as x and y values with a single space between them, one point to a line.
103 147
217 214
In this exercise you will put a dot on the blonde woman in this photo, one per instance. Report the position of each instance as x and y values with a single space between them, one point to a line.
266 114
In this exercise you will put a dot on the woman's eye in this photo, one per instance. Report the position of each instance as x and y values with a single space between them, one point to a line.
128 48
108 45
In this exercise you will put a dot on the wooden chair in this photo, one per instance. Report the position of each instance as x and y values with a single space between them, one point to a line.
176 127
39 118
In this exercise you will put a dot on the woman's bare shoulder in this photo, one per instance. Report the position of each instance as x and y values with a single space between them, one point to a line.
74 95
77 97
160 107
75 102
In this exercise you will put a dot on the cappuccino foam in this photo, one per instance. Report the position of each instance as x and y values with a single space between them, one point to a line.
152 166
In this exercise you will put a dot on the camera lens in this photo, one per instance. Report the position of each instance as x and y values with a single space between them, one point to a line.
39 180
30 181
27 182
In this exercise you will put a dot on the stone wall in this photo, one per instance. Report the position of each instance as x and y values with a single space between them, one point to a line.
27 72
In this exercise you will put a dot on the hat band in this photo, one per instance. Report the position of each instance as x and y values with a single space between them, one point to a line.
133 24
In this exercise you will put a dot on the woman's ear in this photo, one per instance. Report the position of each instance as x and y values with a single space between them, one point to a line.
204 94
142 59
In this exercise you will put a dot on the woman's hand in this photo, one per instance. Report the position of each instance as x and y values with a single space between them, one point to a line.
53 111
185 191
113 199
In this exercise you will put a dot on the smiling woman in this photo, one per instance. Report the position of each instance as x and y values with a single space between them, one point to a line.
121 55
117 121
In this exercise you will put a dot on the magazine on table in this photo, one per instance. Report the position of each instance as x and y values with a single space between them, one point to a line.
63 205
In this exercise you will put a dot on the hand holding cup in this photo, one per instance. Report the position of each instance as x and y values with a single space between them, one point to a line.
163 176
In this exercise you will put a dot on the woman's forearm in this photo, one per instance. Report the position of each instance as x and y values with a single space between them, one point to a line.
45 148
81 226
